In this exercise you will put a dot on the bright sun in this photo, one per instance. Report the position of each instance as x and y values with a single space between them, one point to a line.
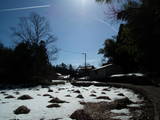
83 2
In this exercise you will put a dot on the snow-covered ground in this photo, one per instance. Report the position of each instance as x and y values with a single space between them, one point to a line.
129 74
38 104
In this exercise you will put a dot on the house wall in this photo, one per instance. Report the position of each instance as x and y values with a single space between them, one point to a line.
104 72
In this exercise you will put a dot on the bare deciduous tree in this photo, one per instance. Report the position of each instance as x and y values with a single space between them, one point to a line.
35 29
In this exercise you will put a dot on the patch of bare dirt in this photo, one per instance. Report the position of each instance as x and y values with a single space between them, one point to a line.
102 110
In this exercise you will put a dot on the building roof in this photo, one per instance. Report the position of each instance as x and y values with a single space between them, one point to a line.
105 66
87 67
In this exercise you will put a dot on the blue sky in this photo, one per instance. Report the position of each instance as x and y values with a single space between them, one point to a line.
79 25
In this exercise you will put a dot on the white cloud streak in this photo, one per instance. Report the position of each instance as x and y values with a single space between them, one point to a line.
24 8
106 23
102 21
47 6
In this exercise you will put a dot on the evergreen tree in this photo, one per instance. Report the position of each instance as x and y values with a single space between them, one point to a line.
138 38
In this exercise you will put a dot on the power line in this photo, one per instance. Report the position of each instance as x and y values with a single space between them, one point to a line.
73 52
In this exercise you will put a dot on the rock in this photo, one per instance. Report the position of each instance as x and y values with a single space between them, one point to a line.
22 110
77 91
106 89
93 95
57 100
61 89
72 90
93 91
4 102
50 90
80 115
5 94
120 94
2 92
124 100
14 119
103 93
9 96
68 95
82 102
55 119
48 95
53 105
103 97
79 96
24 97
121 103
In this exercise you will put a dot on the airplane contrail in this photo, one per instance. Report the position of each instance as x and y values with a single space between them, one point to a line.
106 23
46 6
25 8
102 21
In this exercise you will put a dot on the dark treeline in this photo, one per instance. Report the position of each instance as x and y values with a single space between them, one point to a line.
26 63
66 69
74 72
136 47
29 61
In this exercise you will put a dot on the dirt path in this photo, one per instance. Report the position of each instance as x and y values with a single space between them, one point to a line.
152 92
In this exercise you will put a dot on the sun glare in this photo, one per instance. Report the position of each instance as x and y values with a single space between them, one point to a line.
84 2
